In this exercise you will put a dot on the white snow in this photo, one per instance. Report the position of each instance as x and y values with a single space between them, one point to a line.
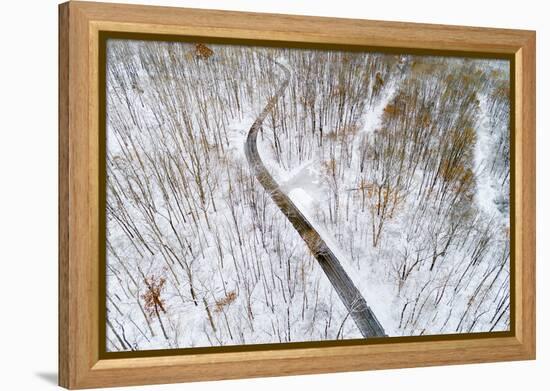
219 232
487 187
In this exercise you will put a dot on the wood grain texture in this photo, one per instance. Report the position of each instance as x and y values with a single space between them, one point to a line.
526 118
63 187
79 363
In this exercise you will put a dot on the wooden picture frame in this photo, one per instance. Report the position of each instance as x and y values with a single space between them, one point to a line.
81 364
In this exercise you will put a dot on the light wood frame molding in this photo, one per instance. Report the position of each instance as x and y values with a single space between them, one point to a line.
80 365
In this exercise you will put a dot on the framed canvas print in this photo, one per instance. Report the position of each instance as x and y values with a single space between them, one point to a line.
256 195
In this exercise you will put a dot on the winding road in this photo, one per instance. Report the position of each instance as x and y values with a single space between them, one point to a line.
352 299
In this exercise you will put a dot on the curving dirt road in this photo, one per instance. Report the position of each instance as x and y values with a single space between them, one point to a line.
355 303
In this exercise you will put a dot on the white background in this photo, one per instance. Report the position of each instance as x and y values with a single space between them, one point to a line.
28 194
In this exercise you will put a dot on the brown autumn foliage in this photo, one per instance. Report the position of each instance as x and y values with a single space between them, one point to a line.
152 300
202 51
225 301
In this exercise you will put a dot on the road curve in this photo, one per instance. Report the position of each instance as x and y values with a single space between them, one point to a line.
352 299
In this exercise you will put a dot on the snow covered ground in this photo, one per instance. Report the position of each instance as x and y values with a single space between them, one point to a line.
398 162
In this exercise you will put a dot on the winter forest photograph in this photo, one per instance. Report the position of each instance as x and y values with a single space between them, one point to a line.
267 195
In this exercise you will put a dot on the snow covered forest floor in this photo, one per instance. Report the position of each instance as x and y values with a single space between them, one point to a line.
400 162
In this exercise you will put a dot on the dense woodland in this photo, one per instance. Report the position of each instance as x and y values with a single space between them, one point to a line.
402 163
